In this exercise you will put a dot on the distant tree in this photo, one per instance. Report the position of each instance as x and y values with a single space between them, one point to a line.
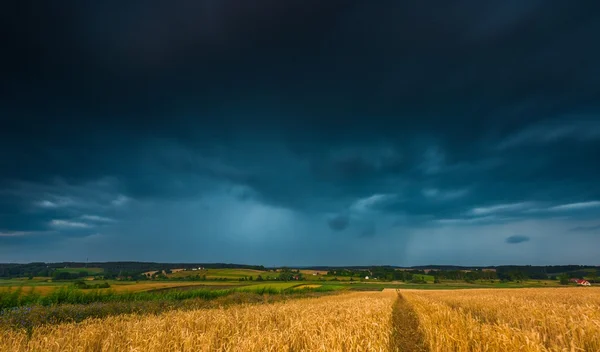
564 279
594 276
517 276
63 275
287 275
80 284
259 278
418 280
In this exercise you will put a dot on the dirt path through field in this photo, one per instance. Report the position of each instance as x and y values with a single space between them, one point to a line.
406 336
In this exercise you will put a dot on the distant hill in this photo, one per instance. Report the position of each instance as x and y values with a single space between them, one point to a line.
45 269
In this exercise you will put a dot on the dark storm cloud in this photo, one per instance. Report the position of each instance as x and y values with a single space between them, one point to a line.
409 114
338 222
586 228
368 231
517 239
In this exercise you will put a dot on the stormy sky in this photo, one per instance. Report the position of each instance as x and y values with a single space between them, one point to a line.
301 132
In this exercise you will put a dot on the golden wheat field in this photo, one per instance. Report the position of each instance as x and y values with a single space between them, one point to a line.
348 322
566 319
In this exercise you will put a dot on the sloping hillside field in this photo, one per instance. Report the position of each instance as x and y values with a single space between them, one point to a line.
565 319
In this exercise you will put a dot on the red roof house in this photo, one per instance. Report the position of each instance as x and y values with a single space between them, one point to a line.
580 282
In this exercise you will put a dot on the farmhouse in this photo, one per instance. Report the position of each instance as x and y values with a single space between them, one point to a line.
580 282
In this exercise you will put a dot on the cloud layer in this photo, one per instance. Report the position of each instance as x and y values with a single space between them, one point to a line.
308 132
515 239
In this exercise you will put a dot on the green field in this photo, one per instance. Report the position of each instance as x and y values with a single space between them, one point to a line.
273 285
27 282
45 287
227 277
222 273
428 278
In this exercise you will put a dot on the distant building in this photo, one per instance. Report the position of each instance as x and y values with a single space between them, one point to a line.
580 282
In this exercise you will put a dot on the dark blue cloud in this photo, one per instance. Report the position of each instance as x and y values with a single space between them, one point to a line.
271 117
515 239
338 222
586 228
368 231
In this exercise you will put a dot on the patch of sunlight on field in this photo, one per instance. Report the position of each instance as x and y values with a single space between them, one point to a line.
347 322
120 286
311 272
91 271
219 273
43 290
553 319
147 286
236 273
306 286
274 285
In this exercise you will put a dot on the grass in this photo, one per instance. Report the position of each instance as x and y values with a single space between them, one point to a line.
406 335
307 286
36 281
45 288
28 308
349 322
428 278
69 295
28 317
